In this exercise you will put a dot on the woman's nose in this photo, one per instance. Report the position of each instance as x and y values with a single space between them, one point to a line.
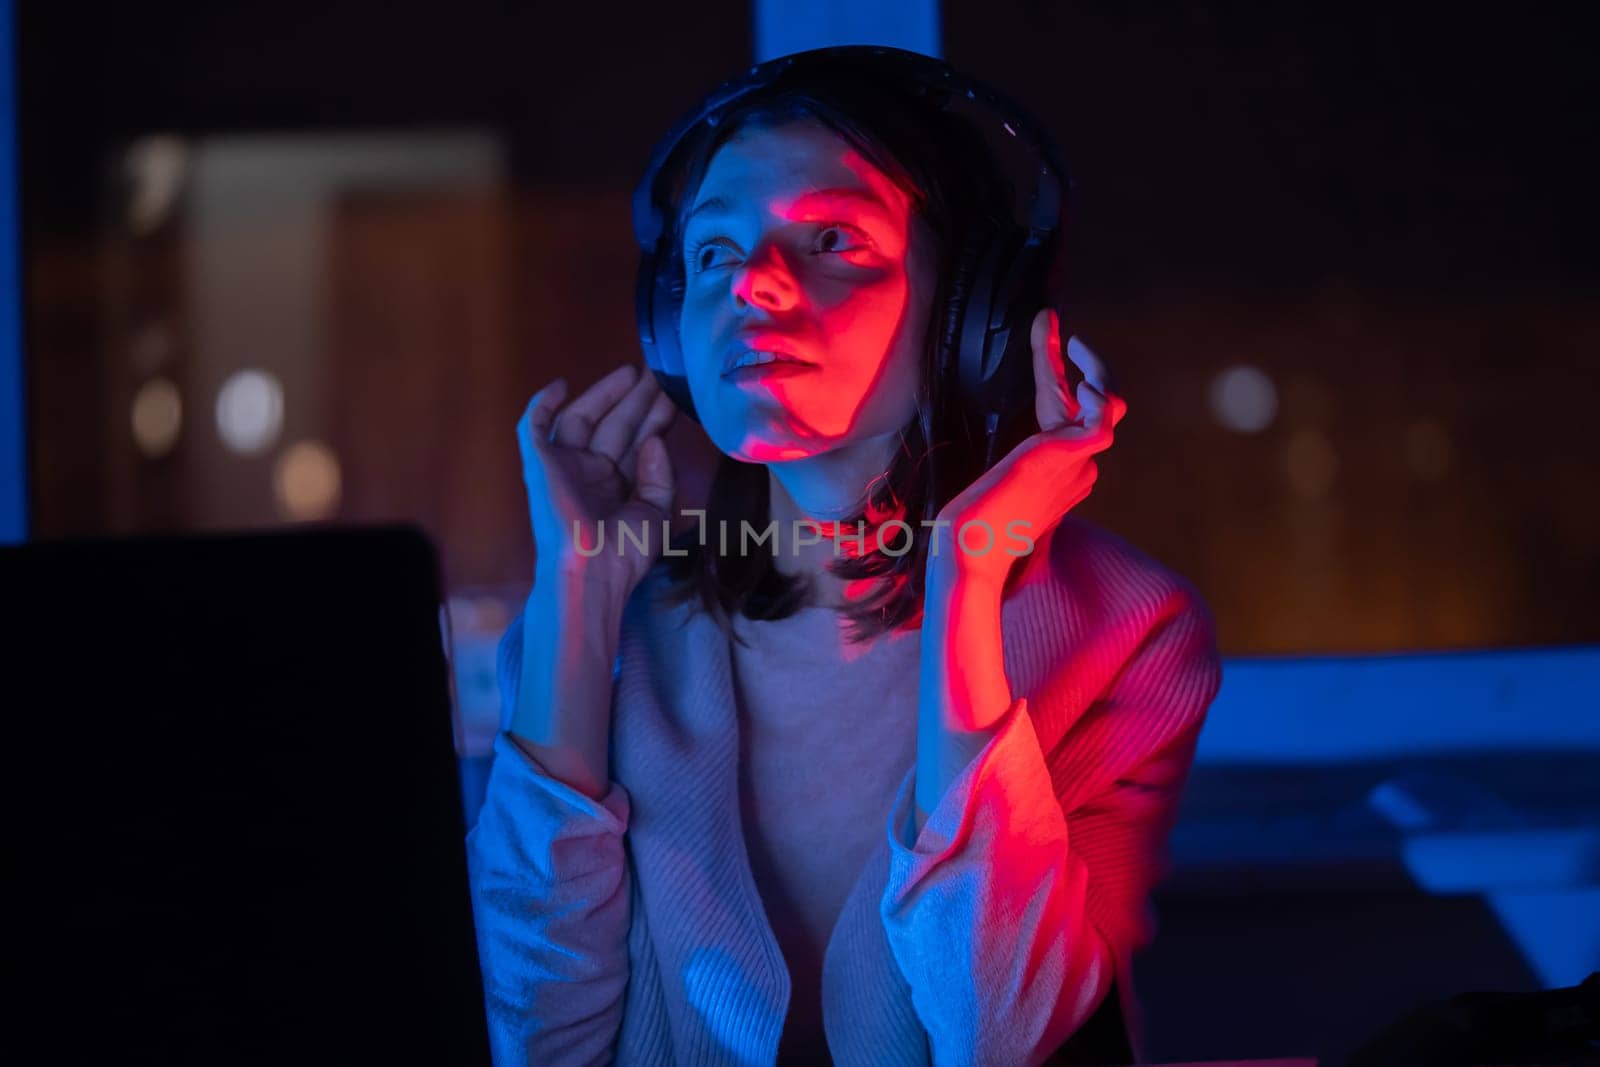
766 280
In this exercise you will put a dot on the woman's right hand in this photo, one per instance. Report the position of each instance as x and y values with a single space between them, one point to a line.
599 460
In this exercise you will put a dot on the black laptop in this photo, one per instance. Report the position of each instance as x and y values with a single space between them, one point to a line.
234 832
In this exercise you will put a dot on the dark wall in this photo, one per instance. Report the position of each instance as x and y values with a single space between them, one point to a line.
1387 210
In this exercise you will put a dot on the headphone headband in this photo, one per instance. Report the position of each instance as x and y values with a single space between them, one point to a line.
983 106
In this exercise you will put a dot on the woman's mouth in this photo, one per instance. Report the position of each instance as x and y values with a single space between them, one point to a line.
754 363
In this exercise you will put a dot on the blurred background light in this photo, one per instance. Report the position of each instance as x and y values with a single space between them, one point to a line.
250 411
1244 399
157 417
305 481
1310 463
156 167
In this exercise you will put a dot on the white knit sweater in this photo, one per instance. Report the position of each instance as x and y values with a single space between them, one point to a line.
630 930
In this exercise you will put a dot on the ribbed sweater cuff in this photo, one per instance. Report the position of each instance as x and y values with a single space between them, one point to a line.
552 825
1010 769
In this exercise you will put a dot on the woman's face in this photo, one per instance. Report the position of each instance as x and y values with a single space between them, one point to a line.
797 245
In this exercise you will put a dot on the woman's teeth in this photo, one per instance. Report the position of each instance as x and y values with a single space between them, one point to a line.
756 359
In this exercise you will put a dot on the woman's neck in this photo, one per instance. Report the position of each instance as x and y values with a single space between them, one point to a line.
825 488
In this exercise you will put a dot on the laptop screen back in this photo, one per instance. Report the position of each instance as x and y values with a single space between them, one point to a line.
236 830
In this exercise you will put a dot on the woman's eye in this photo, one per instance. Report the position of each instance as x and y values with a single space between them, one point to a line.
703 256
715 252
840 238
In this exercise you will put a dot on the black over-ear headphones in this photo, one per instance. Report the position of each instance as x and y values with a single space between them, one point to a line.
999 278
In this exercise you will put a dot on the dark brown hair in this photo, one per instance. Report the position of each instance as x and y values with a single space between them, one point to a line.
939 162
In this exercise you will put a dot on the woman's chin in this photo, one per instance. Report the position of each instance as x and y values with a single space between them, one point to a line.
772 450
770 442
776 452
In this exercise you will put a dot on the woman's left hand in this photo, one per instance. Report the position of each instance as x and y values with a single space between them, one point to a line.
1046 475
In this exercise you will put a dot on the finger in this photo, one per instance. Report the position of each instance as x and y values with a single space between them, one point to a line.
1093 404
663 412
1053 404
655 482
1109 409
575 425
1118 407
1072 441
1094 369
533 428
615 430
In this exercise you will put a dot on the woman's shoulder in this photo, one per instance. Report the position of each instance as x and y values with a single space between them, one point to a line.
1101 622
1100 581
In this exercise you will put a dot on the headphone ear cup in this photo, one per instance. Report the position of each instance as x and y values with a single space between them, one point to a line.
957 308
995 293
660 293
1020 293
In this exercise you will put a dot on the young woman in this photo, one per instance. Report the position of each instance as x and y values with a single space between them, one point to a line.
889 787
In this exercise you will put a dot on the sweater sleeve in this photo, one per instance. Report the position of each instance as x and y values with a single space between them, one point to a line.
1009 911
550 891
